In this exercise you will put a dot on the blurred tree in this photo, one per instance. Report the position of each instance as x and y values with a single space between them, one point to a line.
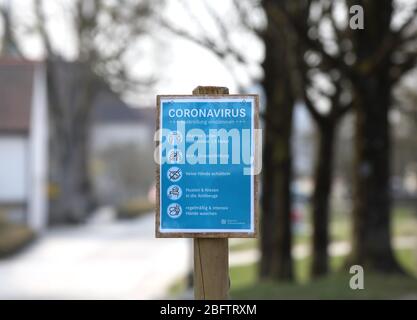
383 56
276 238
8 42
104 32
373 59
317 83
327 128
334 92
359 64
278 67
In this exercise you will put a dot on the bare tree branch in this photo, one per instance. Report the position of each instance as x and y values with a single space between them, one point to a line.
207 43
393 41
312 109
8 42
43 33
222 47
245 17
338 110
407 23
277 10
398 70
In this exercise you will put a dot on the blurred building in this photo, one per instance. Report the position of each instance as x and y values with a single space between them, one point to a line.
121 150
23 141
121 146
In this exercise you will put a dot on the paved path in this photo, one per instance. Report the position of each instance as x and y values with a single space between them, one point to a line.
101 260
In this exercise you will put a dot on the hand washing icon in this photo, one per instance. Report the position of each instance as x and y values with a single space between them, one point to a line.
174 210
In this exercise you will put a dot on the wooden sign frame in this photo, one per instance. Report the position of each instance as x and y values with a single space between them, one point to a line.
255 178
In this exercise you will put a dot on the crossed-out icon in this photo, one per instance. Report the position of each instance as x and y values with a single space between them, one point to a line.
174 174
174 192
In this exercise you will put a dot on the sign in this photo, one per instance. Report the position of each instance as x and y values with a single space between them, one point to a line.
206 182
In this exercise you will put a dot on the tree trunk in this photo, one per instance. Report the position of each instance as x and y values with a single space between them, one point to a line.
71 92
276 241
372 201
321 198
73 202
276 260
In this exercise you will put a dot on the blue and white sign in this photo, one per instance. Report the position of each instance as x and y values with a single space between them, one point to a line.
206 170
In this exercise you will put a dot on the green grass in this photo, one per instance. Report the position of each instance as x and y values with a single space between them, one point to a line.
244 244
13 238
245 278
404 221
335 286
408 260
245 283
178 287
302 267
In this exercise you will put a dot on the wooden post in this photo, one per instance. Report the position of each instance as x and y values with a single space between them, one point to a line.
211 268
211 255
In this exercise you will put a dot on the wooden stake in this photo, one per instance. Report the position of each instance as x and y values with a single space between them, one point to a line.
211 255
211 268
